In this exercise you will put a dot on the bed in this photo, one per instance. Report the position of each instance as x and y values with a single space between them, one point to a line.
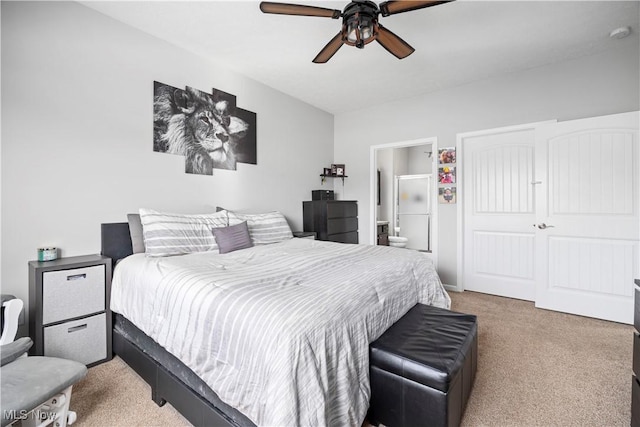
274 334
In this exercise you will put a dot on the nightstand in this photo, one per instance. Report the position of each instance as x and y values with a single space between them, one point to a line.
69 314
305 234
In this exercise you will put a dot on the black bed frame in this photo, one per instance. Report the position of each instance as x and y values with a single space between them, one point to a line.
165 386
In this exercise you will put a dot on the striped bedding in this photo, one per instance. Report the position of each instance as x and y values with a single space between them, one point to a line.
280 331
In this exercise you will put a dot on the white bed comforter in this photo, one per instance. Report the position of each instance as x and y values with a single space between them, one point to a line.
282 331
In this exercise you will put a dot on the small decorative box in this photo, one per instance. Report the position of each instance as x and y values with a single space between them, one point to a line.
47 254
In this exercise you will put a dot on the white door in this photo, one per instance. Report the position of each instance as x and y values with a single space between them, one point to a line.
499 211
588 216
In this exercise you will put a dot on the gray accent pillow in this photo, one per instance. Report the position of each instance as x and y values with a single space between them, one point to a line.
232 238
135 229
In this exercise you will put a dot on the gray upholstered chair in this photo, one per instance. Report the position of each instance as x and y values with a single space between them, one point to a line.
37 389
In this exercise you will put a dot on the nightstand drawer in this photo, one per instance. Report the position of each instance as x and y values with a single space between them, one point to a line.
72 293
82 340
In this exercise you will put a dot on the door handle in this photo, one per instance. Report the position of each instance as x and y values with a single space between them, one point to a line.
542 226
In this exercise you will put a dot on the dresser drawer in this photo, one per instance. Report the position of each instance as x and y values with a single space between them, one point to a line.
342 209
82 340
342 225
351 237
72 293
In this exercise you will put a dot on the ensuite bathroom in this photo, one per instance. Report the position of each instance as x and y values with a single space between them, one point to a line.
406 188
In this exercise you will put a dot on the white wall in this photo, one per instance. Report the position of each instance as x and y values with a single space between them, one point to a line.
419 160
401 161
385 166
601 84
77 143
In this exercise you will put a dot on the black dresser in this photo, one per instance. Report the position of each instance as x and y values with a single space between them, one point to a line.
334 220
635 382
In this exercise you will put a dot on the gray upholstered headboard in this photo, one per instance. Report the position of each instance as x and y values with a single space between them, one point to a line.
115 241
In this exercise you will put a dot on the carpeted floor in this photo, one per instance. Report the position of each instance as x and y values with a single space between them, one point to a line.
543 368
535 368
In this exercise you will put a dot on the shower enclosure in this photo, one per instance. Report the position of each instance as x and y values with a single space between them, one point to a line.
412 210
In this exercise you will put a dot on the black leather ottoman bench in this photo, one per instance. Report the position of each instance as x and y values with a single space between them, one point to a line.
423 367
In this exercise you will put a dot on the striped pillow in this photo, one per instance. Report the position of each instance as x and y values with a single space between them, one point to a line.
264 228
168 234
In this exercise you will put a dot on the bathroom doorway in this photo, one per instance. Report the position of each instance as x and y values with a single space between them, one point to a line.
404 195
411 224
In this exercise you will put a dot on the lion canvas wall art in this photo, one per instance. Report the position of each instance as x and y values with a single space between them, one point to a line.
209 130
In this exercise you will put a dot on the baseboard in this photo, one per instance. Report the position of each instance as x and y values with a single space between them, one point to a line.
451 288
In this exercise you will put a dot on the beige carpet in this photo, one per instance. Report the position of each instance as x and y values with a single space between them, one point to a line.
112 394
543 368
536 368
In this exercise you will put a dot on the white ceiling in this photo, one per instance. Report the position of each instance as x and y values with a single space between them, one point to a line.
455 43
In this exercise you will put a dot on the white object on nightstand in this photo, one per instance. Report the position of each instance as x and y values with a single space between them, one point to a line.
11 315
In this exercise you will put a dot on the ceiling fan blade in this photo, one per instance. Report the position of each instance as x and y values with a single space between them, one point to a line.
298 9
398 6
394 44
329 50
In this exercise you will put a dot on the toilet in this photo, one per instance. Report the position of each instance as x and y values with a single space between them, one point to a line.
398 242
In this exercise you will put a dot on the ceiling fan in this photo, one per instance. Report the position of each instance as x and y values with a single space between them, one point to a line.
360 24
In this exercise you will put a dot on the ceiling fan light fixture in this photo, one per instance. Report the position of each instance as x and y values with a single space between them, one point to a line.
360 31
360 24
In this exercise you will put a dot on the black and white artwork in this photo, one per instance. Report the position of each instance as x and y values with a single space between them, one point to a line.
209 130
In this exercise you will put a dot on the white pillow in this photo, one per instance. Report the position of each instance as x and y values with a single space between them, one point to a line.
168 234
264 228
